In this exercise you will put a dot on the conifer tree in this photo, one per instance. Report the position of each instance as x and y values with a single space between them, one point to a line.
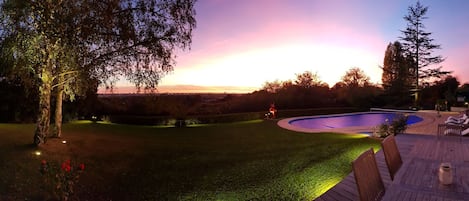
419 47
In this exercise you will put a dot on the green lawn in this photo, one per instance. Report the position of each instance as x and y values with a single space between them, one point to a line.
242 161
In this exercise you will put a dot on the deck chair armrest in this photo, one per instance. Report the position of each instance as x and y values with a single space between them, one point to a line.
451 129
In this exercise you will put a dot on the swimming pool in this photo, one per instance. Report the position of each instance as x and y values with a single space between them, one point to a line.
351 121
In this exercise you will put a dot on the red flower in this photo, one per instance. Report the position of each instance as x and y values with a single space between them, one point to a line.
81 166
43 166
66 166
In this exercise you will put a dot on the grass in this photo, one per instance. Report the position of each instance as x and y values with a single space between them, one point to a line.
253 160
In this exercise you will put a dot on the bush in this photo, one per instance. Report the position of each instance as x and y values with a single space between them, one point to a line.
398 125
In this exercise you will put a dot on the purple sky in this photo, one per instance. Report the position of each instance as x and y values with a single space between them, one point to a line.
244 43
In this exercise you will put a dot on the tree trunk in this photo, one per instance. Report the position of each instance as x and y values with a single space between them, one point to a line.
58 109
43 118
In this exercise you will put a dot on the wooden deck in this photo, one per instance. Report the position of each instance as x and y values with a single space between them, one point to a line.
347 190
418 177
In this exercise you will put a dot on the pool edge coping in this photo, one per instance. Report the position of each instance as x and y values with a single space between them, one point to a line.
285 123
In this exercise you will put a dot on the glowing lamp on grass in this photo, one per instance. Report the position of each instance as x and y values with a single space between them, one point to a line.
37 153
64 142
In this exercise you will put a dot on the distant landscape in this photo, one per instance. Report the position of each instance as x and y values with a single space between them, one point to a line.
181 89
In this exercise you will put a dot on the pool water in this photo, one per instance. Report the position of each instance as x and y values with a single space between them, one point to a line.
349 120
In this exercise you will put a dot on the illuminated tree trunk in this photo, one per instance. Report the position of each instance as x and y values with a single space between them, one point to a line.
43 119
58 108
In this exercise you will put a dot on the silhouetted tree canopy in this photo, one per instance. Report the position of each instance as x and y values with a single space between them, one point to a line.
355 77
356 89
308 79
272 87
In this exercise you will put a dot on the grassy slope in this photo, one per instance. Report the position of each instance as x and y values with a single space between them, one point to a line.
242 161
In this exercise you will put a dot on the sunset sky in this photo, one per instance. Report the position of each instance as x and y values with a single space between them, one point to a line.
238 45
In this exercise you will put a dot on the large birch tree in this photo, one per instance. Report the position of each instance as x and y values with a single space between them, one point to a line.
64 43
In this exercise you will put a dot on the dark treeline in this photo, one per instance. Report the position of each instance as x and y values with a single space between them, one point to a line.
19 103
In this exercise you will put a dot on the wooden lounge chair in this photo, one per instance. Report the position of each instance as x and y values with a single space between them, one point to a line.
391 155
369 183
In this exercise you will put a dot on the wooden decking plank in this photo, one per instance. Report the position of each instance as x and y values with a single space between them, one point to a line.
319 199
350 188
347 191
340 195
327 196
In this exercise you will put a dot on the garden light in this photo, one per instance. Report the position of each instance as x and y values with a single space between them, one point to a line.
37 153
64 141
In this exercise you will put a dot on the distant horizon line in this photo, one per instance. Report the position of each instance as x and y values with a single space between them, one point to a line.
181 89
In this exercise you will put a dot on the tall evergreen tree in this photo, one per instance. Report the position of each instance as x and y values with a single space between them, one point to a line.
418 46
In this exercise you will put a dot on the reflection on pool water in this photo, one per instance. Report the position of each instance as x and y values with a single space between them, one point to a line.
349 120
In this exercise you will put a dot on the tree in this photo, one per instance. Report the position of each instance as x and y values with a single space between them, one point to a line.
308 79
355 77
418 46
16 98
397 73
439 92
355 88
272 87
63 43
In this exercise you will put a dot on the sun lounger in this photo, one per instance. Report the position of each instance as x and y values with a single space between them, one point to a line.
458 120
453 129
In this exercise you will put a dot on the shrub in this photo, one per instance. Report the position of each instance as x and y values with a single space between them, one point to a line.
61 179
396 126
399 124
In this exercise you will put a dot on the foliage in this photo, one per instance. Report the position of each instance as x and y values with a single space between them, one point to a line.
396 78
18 103
272 87
308 79
355 77
61 180
355 89
418 46
65 44
445 90
441 105
396 126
